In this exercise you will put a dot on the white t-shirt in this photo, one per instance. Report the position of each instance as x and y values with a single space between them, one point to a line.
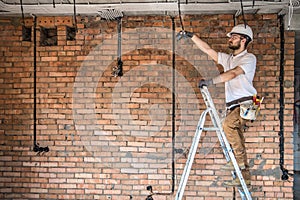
240 86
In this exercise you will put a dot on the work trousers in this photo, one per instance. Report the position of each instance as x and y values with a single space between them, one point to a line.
233 126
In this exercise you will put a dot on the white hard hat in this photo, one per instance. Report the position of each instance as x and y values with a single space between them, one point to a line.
242 29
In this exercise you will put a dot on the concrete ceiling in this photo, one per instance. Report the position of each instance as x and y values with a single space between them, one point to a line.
290 8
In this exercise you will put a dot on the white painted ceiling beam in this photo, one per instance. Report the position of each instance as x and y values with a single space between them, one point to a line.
86 9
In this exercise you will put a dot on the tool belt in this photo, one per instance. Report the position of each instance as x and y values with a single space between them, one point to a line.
238 101
233 107
249 106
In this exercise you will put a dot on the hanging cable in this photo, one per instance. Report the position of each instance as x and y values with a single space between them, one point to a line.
174 151
22 10
290 14
179 13
173 104
285 174
118 70
75 19
53 3
36 147
243 14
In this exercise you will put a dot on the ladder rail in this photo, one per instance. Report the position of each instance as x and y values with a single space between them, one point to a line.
227 150
215 119
229 155
191 156
222 144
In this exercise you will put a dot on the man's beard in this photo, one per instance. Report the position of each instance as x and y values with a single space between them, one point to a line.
234 47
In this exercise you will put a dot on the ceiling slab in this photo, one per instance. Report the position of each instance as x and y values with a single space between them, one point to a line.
66 7
150 7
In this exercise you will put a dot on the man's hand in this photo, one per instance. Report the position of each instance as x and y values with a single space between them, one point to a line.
205 83
184 34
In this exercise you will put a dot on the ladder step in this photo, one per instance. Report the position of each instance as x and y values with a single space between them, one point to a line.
210 129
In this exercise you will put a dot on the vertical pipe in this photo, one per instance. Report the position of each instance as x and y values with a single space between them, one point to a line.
173 105
22 10
36 147
34 84
75 19
281 101
149 188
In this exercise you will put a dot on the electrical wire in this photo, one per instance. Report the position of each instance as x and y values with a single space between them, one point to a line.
290 14
285 174
179 13
75 19
149 188
243 14
22 10
35 145
119 19
173 104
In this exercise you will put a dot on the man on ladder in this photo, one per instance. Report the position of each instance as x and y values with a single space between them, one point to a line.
239 70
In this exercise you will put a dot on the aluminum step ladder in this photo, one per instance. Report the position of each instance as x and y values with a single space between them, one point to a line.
227 150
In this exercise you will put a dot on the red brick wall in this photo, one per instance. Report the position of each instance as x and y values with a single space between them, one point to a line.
111 137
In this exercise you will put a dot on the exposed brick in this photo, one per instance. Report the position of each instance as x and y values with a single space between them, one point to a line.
131 115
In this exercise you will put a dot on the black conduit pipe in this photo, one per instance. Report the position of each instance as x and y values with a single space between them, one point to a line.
149 187
36 147
22 10
285 175
75 19
173 105
34 85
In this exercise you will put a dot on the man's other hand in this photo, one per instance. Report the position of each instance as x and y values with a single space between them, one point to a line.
203 82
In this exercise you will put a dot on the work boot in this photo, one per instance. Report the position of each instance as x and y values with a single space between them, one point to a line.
236 183
229 166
